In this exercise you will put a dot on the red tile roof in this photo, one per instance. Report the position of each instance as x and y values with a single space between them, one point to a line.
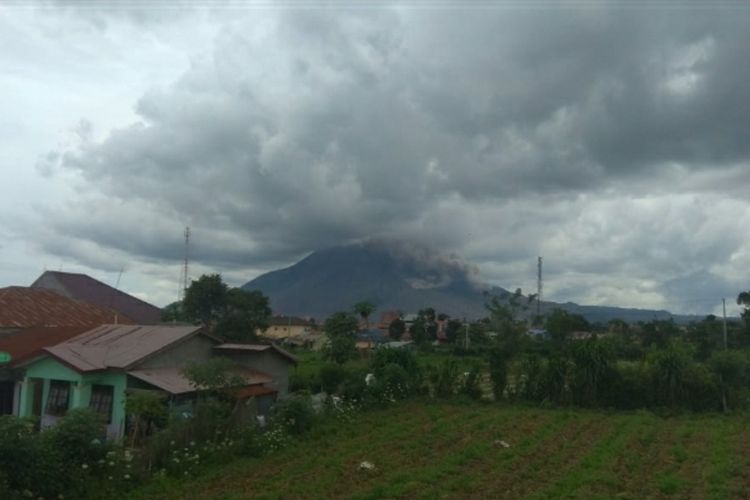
87 289
30 342
22 307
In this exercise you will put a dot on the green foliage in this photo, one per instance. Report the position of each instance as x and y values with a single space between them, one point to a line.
341 329
453 330
396 329
424 328
444 379
331 377
213 376
206 299
174 313
499 359
396 380
560 324
731 369
364 309
245 313
470 386
402 357
62 460
234 313
295 414
594 370
658 333
145 410
669 367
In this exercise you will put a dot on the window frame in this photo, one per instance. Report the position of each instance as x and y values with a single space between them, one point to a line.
102 400
59 390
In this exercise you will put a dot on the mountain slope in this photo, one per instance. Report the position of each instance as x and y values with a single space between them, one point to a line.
398 276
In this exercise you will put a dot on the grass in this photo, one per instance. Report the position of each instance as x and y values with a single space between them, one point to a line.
453 450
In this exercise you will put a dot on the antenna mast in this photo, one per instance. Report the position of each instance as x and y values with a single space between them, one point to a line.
539 287
184 279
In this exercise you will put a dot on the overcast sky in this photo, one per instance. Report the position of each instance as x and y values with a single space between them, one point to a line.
612 139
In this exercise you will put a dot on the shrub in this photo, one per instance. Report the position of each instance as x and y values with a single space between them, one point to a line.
331 377
470 386
294 414
396 380
401 357
444 379
499 360
530 377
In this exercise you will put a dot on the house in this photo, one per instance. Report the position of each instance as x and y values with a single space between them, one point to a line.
34 318
388 317
399 344
370 339
24 307
22 346
538 333
84 288
285 327
98 368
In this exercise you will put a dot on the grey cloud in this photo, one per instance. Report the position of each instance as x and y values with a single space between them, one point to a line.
493 132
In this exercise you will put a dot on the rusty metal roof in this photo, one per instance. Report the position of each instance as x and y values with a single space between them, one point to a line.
87 289
172 380
257 348
30 342
118 346
23 307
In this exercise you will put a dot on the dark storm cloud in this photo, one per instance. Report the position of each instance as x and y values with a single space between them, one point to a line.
302 129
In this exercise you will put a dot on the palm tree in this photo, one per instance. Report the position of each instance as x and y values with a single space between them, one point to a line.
364 309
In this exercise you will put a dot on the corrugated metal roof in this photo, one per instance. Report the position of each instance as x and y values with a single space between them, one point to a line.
172 380
257 348
23 307
87 289
30 342
118 346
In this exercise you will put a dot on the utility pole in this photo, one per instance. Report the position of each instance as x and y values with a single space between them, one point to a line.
184 280
539 286
466 334
724 308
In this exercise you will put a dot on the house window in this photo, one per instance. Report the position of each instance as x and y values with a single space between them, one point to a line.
101 400
59 397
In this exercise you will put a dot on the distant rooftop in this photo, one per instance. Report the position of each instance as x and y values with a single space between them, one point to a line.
87 289
24 307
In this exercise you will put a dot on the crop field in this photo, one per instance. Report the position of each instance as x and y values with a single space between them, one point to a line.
422 449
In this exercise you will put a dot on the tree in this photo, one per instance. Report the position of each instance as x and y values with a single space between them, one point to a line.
396 329
206 299
452 330
731 368
424 328
213 376
246 313
561 323
174 313
364 309
232 313
341 329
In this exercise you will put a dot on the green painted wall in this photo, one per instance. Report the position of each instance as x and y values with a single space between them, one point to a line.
48 369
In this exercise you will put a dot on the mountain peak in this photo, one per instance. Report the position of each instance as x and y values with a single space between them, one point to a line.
391 274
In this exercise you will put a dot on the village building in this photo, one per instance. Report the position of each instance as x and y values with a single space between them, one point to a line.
34 318
98 368
84 288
